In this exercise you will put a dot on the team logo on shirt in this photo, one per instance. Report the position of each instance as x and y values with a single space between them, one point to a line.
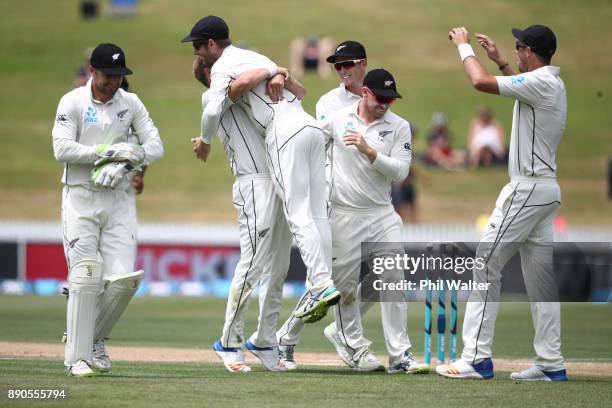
90 116
517 80
383 133
121 114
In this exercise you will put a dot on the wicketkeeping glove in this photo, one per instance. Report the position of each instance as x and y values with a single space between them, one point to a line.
110 174
120 152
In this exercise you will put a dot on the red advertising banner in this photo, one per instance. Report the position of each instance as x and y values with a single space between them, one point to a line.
160 262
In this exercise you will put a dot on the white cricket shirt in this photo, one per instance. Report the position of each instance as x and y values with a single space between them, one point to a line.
244 147
336 99
357 183
82 122
538 120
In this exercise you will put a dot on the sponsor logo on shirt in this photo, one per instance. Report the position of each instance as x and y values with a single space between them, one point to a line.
517 80
90 116
61 118
407 146
350 125
121 114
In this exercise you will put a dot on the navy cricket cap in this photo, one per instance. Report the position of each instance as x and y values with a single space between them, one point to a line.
110 59
539 38
209 27
348 49
381 82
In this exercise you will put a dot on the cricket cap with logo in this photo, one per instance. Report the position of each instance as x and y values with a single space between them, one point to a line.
381 82
539 38
348 49
209 27
110 59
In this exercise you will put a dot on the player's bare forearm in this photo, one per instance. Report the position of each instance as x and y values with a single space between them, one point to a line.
493 53
477 74
295 87
246 82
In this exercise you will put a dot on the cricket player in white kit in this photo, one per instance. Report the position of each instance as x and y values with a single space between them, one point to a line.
90 137
295 154
265 239
371 148
523 216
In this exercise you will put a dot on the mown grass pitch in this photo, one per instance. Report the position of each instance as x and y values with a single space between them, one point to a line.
196 322
207 385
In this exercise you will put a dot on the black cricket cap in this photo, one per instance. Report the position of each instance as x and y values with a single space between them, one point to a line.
209 27
381 82
348 49
539 38
110 59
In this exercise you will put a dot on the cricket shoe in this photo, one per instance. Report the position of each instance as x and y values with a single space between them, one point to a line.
460 369
268 356
535 373
365 360
285 354
334 338
101 361
408 365
316 306
81 369
233 358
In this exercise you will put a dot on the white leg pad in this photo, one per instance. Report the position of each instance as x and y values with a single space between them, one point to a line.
83 285
118 291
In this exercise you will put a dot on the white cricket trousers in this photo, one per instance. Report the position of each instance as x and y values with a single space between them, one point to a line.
296 158
351 227
521 221
265 245
99 226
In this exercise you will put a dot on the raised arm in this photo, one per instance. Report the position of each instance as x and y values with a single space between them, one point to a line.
477 74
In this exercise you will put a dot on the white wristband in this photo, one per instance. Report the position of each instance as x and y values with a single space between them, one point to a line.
465 50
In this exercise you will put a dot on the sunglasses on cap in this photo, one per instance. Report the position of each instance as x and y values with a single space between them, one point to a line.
384 100
346 64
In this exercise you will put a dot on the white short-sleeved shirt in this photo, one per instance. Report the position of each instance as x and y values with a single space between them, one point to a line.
336 99
357 182
538 121
244 147
82 122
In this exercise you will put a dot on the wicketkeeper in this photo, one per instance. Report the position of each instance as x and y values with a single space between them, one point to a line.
90 137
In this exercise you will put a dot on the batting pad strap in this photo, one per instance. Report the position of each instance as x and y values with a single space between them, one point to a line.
112 302
465 50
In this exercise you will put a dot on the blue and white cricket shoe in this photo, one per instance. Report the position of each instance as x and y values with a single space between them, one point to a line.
268 356
233 358
535 373
460 369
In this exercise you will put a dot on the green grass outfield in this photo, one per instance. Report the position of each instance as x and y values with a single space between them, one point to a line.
43 42
196 322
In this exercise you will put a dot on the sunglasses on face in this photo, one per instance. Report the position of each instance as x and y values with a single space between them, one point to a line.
346 64
384 100
198 43
519 46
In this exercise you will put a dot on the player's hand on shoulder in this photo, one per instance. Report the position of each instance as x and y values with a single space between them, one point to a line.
201 149
275 87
